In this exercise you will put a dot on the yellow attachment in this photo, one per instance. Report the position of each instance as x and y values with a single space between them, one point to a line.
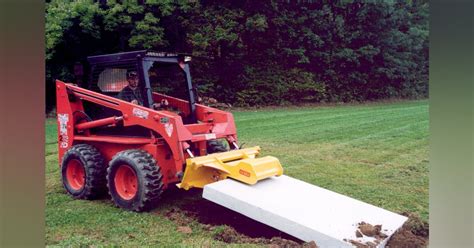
241 165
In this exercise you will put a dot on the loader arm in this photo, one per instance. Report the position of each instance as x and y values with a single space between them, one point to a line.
131 115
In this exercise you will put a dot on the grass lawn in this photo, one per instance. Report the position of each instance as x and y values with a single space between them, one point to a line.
377 153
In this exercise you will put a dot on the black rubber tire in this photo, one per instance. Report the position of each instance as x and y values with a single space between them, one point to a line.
95 171
214 146
149 180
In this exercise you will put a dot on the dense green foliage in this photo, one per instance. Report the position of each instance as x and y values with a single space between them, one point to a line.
257 52
377 153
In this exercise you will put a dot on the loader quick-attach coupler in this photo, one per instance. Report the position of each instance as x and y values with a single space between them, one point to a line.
241 165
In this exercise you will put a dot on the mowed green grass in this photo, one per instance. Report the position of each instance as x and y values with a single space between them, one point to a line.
377 153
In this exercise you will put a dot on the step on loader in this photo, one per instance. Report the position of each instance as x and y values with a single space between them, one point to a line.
131 126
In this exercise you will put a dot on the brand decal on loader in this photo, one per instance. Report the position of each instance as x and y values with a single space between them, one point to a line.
244 173
169 129
140 113
64 138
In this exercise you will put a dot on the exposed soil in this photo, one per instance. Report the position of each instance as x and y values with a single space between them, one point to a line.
185 229
405 238
230 235
228 226
371 230
413 234
231 227
213 218
209 213
368 230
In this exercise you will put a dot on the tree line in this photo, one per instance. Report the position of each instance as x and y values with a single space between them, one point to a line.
253 53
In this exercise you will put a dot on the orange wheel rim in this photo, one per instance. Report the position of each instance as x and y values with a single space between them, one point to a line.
75 174
126 182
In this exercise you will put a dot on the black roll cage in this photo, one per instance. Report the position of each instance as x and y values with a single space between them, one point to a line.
144 60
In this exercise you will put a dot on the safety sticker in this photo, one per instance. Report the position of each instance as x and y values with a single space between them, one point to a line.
63 137
140 113
169 129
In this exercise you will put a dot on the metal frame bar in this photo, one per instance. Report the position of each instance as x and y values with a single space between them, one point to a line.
143 63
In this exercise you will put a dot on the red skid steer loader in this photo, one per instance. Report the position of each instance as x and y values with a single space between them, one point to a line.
136 151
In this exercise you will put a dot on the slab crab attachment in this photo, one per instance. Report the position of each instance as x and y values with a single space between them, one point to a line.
241 165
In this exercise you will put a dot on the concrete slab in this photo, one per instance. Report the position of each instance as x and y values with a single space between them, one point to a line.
303 210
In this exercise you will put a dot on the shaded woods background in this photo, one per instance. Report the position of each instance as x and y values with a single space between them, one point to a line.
251 53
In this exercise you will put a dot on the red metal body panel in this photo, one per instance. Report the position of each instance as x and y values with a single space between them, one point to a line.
218 121
167 149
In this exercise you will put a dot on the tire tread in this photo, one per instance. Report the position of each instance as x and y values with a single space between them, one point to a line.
95 183
153 183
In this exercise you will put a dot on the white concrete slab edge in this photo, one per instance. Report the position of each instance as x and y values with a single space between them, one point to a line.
303 210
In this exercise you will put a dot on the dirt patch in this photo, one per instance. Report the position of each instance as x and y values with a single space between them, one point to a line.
209 213
228 226
185 229
405 238
417 226
413 234
177 216
368 230
230 235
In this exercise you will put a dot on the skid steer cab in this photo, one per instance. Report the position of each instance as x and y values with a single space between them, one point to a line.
134 150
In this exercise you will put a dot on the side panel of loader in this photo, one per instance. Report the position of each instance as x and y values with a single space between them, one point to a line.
160 152
65 119
167 149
